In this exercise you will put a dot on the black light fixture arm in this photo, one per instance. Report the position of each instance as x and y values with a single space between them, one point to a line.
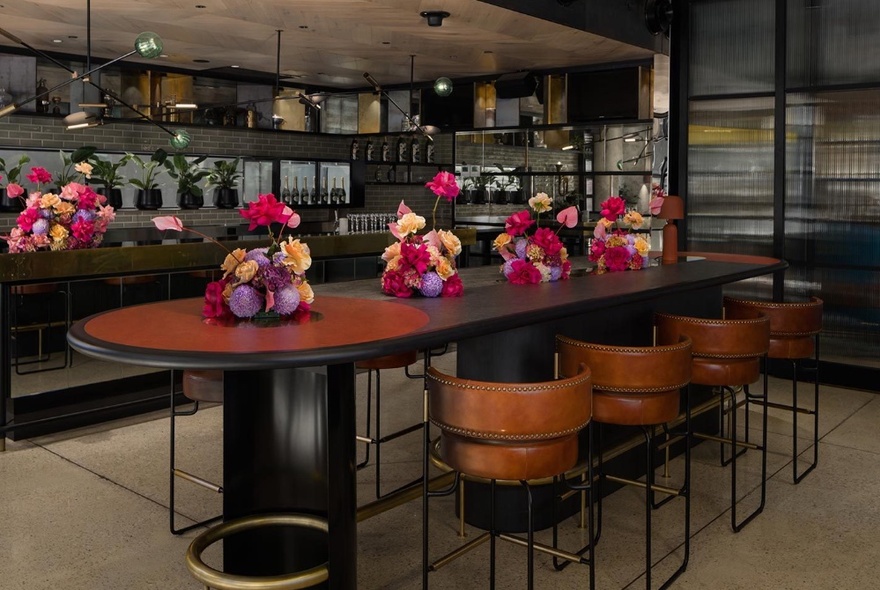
378 89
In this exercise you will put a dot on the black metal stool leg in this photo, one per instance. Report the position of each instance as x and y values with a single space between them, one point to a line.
531 537
492 535
366 439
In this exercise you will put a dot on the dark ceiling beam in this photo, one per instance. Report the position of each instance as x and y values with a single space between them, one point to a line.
621 20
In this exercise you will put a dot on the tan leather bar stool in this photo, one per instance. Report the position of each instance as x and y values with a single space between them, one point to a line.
727 354
794 337
213 578
124 283
200 386
638 386
373 367
508 431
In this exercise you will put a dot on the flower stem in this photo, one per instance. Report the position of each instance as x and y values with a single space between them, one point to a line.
434 213
207 237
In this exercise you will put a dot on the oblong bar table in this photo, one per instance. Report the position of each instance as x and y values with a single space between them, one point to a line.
289 411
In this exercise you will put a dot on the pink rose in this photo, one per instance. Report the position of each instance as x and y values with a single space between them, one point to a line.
444 185
518 223
597 249
266 210
547 240
214 306
39 175
616 258
415 257
393 283
524 272
14 190
452 287
82 230
27 218
612 208
88 199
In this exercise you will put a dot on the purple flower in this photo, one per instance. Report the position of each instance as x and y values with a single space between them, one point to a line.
41 227
520 247
555 273
245 301
83 215
274 278
432 284
258 255
507 269
46 213
287 300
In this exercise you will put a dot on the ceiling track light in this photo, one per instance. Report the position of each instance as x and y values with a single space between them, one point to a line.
311 101
434 17
426 130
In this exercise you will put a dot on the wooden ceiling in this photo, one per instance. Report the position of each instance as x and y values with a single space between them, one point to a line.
323 43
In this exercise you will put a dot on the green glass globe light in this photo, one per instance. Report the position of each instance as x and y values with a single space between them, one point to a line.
148 45
180 140
443 86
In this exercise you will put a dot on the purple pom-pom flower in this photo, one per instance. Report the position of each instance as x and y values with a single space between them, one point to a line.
41 227
258 255
432 284
520 248
245 301
286 300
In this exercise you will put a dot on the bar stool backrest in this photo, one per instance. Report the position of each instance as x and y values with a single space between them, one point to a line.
509 430
793 325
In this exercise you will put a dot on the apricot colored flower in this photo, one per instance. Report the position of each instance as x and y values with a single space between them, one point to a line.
245 271
642 246
58 232
410 224
634 219
541 203
305 292
65 208
84 168
232 260
444 268
297 255
450 241
391 252
49 200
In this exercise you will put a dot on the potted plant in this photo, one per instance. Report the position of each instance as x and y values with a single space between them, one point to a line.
68 173
149 195
187 174
225 177
9 194
106 173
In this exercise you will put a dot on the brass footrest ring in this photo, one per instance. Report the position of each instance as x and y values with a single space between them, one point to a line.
222 581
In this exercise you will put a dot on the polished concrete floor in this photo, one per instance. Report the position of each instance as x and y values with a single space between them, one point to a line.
87 510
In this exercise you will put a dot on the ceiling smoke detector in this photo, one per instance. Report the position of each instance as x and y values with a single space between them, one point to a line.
434 17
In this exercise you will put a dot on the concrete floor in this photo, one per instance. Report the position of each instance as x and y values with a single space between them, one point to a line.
87 510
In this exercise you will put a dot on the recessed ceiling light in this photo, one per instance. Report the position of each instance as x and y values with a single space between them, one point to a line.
56 41
72 37
488 51
163 55
200 6
201 61
453 57
304 26
234 66
386 42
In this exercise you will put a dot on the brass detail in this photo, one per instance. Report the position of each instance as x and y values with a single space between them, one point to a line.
641 484
401 497
541 547
461 532
736 443
363 439
222 581
197 480
786 407
456 553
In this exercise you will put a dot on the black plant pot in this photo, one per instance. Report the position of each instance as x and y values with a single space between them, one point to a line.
8 205
479 197
516 197
114 196
188 200
149 199
226 198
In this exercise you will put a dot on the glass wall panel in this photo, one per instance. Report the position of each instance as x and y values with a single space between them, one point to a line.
730 177
832 42
731 46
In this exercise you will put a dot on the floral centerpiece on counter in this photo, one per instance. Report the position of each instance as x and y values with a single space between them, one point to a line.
423 264
262 282
77 218
539 257
614 246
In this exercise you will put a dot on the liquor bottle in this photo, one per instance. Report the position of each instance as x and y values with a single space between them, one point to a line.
378 174
304 194
429 152
386 150
355 149
294 194
370 152
343 198
334 193
401 149
415 151
325 197
285 192
313 194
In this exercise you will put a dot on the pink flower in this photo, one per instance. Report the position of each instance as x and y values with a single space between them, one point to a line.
82 230
393 283
547 240
597 249
14 190
612 208
402 210
518 223
291 218
27 218
415 257
39 175
214 306
444 185
655 204
88 199
524 273
169 222
568 217
452 287
265 211
616 258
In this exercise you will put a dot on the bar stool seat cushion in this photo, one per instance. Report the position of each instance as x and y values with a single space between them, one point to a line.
203 385
510 431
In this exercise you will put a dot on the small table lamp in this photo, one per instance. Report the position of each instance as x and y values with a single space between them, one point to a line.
672 209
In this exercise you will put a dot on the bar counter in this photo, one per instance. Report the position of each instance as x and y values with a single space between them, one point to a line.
289 411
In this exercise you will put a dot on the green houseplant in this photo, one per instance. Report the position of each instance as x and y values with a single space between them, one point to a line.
67 173
9 193
107 174
187 174
149 195
225 177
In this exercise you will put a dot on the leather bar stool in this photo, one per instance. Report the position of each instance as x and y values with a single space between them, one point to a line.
638 386
127 282
508 431
794 337
727 354
373 367
200 386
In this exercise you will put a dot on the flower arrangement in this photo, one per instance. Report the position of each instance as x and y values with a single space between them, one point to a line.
75 219
614 247
423 264
262 282
539 257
